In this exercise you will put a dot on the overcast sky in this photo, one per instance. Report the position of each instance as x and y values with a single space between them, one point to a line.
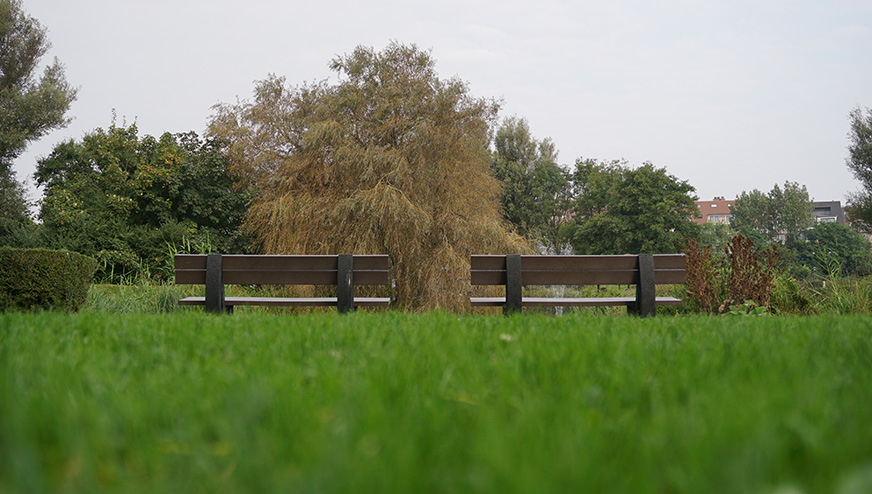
729 95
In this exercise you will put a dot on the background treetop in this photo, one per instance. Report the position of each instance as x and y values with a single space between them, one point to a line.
622 210
29 106
391 159
765 217
536 191
128 200
859 161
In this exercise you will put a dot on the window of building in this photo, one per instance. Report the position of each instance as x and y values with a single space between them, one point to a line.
718 218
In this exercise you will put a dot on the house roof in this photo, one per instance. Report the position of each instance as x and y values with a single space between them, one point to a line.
718 206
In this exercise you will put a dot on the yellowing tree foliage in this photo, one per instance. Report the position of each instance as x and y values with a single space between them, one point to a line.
391 159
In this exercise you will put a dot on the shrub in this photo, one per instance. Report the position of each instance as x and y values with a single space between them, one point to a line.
746 273
32 279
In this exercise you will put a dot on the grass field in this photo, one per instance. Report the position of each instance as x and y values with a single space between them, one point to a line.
392 402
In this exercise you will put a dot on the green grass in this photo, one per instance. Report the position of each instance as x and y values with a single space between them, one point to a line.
393 402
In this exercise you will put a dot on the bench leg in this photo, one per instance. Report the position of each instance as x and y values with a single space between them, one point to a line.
645 295
513 284
214 284
345 284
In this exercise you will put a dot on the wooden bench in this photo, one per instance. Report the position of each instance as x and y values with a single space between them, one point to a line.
514 271
344 271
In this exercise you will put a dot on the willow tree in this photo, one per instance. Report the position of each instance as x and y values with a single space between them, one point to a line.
390 159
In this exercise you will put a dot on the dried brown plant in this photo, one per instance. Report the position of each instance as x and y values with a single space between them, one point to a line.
701 281
747 272
752 271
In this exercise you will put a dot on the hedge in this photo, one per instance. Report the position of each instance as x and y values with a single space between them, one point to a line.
34 279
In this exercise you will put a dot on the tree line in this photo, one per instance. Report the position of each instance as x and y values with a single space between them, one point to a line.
390 159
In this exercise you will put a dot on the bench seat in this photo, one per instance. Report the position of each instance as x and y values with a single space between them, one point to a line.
569 302
291 302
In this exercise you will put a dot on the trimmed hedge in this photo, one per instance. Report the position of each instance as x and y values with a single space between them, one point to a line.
33 279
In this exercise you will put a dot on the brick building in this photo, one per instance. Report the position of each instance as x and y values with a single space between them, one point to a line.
716 211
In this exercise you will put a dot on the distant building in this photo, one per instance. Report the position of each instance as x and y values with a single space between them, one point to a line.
828 212
716 211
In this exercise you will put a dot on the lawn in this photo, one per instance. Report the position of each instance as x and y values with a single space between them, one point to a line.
393 402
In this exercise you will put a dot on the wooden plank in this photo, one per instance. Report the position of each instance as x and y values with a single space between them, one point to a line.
375 262
283 301
303 262
669 261
592 302
663 277
488 277
283 277
487 262
280 263
624 277
578 263
189 261
569 302
290 302
198 261
185 277
578 302
372 301
557 263
258 277
371 277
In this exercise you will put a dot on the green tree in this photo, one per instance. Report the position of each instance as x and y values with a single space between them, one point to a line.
766 218
620 210
859 161
716 236
30 107
835 249
391 159
126 200
535 189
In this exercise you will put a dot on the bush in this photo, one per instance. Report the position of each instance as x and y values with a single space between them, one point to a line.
747 272
32 279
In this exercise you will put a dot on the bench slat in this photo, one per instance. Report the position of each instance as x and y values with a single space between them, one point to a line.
290 302
665 277
290 262
233 277
187 277
569 302
560 263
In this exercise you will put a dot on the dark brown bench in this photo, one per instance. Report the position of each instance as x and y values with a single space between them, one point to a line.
344 271
514 271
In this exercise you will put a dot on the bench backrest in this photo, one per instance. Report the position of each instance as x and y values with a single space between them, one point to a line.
577 270
282 270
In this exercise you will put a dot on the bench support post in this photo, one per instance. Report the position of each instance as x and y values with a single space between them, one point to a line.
345 283
645 295
513 284
214 284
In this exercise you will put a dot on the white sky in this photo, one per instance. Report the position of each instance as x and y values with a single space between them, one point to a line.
729 95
